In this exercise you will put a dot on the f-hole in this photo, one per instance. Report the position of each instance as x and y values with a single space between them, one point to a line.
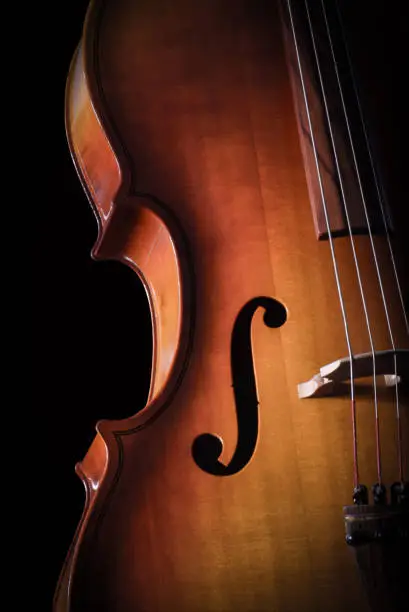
207 447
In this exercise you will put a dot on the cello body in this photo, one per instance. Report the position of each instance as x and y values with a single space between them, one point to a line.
225 493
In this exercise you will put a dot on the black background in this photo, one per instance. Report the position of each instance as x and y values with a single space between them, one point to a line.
82 311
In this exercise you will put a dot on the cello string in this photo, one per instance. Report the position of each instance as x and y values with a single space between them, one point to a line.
381 200
376 176
331 244
378 272
358 272
398 424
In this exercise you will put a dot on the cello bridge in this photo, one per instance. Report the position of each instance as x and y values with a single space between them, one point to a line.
391 365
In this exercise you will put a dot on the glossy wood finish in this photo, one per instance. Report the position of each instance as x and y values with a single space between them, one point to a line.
198 184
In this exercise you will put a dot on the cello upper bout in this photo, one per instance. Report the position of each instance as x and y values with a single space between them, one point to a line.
94 159
132 228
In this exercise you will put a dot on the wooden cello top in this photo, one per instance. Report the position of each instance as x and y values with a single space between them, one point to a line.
223 107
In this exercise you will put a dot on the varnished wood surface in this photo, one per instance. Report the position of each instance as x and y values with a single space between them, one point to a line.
236 187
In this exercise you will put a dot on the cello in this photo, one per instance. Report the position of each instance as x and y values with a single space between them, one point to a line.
224 151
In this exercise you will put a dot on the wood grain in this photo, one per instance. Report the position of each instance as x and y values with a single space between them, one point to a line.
211 208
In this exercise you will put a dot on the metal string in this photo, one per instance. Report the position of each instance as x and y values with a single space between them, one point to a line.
358 273
378 273
331 244
379 190
377 178
341 186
